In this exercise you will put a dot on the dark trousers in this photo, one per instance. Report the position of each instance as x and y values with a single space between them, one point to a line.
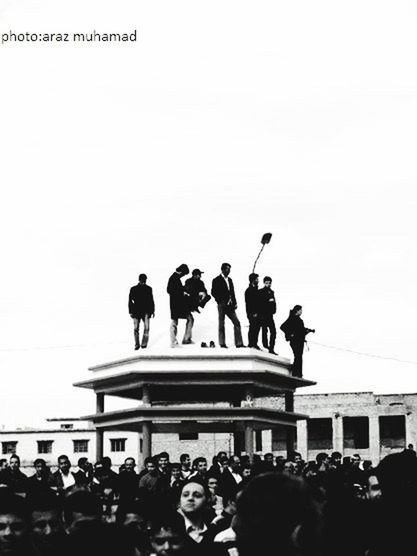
297 347
254 327
231 313
268 324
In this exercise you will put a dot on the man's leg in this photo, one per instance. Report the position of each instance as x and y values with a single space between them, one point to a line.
136 332
188 329
272 334
146 326
231 313
222 334
265 333
297 348
173 332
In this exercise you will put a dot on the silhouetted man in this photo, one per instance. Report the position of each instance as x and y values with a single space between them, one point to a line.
179 301
268 308
223 292
252 301
295 333
197 290
141 308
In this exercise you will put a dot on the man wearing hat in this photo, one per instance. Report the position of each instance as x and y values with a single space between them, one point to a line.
179 301
141 308
197 290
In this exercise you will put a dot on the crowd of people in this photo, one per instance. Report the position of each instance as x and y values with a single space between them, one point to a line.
188 298
333 505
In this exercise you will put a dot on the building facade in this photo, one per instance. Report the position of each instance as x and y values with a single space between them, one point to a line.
369 424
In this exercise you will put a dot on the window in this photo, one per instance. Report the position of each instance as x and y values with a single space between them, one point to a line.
188 435
117 444
392 431
356 432
66 426
9 447
45 446
320 434
80 446
258 441
279 440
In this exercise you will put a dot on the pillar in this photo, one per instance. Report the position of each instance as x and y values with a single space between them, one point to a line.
146 427
291 431
146 439
337 426
249 440
302 442
99 432
374 443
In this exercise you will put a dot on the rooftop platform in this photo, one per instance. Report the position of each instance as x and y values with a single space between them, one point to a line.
195 374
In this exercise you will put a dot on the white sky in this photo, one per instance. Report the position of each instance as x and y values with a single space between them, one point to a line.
225 120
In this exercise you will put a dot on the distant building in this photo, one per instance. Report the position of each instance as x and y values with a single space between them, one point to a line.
369 424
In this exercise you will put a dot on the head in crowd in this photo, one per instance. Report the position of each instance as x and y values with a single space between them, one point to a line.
167 535
106 462
129 465
81 509
142 278
200 466
41 469
246 471
176 471
253 279
150 464
336 459
373 490
14 463
84 464
134 519
194 499
234 463
14 525
296 311
182 270
64 464
356 460
47 529
185 461
322 460
289 467
163 462
212 485
277 510
267 282
397 474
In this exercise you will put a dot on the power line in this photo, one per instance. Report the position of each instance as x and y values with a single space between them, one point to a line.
364 354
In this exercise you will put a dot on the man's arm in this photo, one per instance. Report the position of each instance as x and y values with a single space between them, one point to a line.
131 302
152 302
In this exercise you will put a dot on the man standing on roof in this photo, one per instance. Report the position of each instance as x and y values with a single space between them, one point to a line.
179 301
141 308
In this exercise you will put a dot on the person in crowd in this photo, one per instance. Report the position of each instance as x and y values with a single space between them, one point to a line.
39 482
63 478
246 472
168 537
149 465
223 292
101 539
84 475
268 462
3 464
336 460
185 462
290 468
267 310
141 309
134 521
175 484
216 501
295 333
179 300
277 510
47 528
13 477
14 525
81 509
253 302
197 290
128 482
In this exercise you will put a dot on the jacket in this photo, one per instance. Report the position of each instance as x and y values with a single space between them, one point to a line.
141 301
221 293
178 299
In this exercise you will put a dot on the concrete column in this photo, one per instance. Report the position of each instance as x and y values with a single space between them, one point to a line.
249 439
146 395
302 443
146 439
99 432
410 430
374 441
337 426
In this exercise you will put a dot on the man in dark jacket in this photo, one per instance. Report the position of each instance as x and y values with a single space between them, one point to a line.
252 301
223 292
197 290
268 308
295 333
179 301
13 477
141 307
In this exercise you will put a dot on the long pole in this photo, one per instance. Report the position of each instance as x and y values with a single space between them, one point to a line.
257 258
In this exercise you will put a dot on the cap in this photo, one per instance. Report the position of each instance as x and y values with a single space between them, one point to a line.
197 271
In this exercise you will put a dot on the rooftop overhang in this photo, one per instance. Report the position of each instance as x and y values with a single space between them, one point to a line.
197 419
201 385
